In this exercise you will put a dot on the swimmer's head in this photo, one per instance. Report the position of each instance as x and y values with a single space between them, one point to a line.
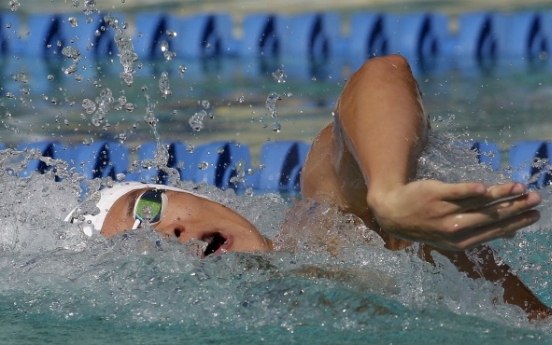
172 212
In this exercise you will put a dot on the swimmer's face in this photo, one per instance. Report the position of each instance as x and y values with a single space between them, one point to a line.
187 217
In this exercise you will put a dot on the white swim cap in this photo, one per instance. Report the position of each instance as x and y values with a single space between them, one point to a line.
108 196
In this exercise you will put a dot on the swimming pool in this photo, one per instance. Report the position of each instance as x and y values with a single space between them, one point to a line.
60 286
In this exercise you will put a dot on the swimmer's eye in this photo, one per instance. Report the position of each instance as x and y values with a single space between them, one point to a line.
150 206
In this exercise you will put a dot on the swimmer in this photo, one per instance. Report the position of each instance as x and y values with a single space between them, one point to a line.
364 163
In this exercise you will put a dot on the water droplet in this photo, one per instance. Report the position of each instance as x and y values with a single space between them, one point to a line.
279 76
196 121
73 21
205 104
164 85
14 5
8 25
241 99
129 107
21 77
271 100
50 77
168 55
88 141
276 127
203 165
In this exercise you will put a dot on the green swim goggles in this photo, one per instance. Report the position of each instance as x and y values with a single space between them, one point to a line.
149 207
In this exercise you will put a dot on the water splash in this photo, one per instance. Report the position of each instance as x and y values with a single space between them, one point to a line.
127 55
164 85
103 102
270 103
73 54
161 155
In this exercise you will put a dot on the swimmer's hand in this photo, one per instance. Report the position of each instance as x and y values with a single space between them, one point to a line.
453 216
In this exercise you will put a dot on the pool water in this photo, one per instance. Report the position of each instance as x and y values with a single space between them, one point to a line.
61 286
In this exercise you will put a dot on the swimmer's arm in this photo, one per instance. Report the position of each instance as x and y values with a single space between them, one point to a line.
382 125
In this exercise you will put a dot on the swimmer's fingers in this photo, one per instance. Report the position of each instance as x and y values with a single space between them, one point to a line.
471 200
502 229
492 213
460 191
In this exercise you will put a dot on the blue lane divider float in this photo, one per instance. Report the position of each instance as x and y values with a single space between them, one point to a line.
206 36
9 30
282 162
262 36
487 153
101 159
528 160
47 149
368 37
196 36
313 36
308 45
45 36
227 164
527 35
419 37
481 35
312 46
481 40
214 163
153 35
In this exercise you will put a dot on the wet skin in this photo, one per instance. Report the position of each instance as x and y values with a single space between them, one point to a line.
190 217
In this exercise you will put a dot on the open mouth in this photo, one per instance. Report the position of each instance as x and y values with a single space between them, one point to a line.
216 243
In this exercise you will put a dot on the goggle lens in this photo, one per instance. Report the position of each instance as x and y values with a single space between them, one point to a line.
150 206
